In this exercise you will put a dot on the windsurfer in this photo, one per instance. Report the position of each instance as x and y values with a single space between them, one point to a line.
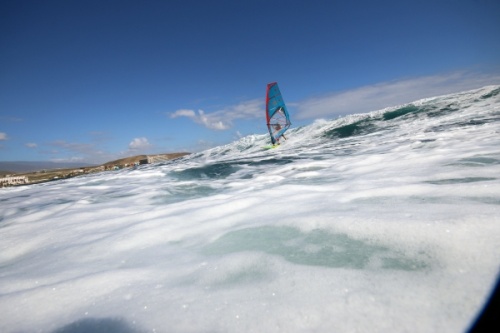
278 119
277 128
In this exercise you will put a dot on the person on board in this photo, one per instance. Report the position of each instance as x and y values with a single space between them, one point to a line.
278 127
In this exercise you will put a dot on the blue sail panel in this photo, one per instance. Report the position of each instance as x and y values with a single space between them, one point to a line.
277 116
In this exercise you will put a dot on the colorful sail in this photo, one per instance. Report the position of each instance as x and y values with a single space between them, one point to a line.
278 119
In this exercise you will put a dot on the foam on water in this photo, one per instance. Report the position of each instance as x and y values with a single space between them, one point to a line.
387 221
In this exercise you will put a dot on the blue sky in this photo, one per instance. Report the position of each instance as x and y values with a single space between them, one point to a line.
98 80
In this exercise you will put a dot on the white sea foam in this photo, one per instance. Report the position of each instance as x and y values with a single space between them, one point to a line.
365 224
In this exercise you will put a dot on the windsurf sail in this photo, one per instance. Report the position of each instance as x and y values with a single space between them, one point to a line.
278 119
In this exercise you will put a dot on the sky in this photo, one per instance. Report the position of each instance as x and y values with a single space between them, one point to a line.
94 81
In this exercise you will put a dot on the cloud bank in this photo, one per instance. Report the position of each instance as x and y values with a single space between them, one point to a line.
223 119
386 94
359 100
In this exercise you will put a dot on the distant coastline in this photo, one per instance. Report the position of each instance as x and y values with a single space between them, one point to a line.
14 167
25 173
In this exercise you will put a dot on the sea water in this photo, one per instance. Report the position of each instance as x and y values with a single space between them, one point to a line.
380 222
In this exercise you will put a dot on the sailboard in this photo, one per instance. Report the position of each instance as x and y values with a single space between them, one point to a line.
271 146
277 116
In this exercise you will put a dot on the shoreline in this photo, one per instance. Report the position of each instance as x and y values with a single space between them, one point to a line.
42 176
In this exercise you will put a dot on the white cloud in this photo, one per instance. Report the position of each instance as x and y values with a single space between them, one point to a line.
3 136
183 113
385 94
139 143
214 121
31 145
223 119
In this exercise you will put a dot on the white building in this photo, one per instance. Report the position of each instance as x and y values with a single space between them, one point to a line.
13 180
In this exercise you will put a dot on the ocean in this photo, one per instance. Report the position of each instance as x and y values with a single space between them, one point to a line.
387 221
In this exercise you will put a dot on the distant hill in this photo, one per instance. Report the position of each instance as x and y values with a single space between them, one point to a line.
152 158
32 166
29 166
38 172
